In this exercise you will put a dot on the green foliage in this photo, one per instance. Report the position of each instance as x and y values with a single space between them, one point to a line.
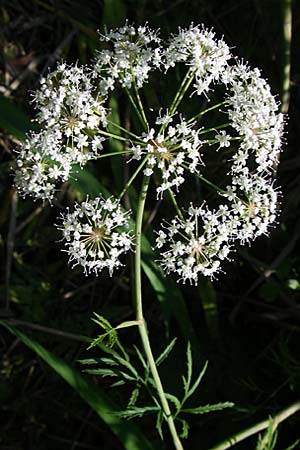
269 439
98 400
119 366
110 334
293 445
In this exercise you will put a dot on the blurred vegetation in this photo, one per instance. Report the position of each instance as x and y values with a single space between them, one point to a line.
247 323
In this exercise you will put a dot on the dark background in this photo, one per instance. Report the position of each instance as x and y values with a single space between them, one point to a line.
246 324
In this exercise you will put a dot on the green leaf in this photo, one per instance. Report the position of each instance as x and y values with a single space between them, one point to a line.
159 421
198 381
141 358
13 119
133 397
166 352
110 332
101 371
293 445
189 362
208 408
109 361
269 439
89 361
174 400
136 411
99 401
118 383
185 429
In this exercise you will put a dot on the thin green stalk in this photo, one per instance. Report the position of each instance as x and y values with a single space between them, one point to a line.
140 104
140 317
114 136
280 417
214 186
144 124
189 76
132 178
123 129
205 111
125 152
207 130
172 197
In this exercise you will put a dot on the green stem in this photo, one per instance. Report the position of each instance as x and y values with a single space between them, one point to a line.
126 152
140 317
207 130
189 76
123 129
140 104
217 188
280 417
205 111
172 197
114 136
144 124
132 178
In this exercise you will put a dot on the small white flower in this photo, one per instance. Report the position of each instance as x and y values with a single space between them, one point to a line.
223 139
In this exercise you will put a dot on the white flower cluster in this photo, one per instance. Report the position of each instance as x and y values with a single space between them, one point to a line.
70 111
94 236
253 113
191 253
68 99
175 149
198 48
135 52
195 249
251 198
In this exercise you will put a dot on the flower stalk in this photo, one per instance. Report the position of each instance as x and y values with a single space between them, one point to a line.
140 316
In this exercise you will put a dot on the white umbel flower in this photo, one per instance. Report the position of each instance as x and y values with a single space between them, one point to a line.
45 159
198 48
69 99
253 113
187 251
41 162
135 53
95 236
174 150
70 112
